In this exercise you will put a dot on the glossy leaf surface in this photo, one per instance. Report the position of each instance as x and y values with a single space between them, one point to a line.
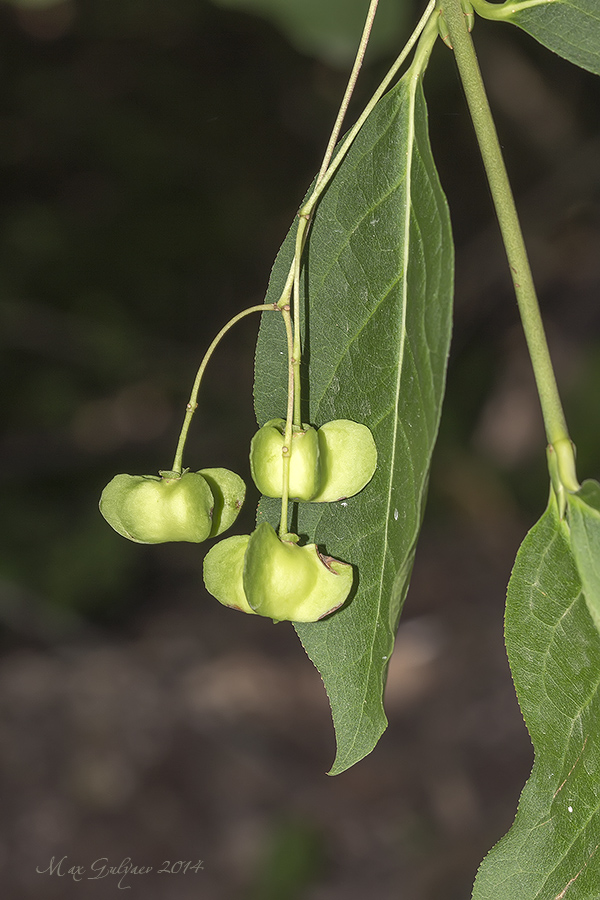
553 849
377 298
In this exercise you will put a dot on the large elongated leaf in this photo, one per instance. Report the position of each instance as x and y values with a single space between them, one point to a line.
377 292
553 849
569 27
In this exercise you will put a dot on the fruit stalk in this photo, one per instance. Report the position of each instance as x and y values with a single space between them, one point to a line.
192 404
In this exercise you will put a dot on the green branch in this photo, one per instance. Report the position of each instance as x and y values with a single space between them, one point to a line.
552 411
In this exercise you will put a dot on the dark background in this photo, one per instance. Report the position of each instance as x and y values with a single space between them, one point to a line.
152 156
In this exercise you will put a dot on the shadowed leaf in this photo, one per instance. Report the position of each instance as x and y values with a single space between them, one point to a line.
553 849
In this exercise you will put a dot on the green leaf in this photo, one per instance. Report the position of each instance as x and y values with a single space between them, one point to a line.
552 850
570 28
377 292
584 519
330 30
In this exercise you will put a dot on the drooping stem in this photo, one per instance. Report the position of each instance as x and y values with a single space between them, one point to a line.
350 137
358 61
427 39
286 294
193 401
287 436
303 224
552 411
330 167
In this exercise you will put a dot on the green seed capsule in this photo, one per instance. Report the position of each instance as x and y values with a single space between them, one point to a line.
285 581
259 573
348 459
266 460
229 491
224 572
151 509
328 464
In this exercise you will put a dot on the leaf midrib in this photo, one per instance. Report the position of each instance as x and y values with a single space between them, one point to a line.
388 504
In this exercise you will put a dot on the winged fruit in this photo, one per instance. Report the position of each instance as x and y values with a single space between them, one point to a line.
276 578
191 506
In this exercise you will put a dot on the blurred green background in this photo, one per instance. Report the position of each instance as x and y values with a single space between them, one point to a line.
152 156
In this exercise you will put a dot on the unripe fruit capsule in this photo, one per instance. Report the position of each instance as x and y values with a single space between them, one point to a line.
266 460
229 491
348 459
224 572
152 509
330 463
285 581
260 573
